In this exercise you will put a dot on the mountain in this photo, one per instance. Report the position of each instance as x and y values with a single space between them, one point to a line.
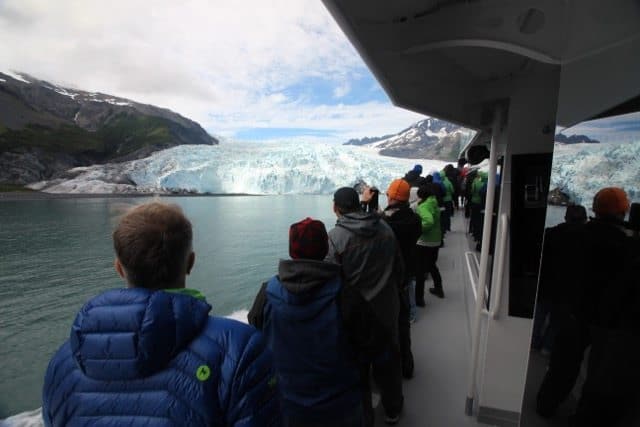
46 129
436 139
427 139
574 139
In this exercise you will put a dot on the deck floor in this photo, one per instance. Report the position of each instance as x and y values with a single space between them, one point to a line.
435 396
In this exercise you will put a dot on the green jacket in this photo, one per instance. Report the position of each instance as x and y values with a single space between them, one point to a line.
448 189
429 213
476 189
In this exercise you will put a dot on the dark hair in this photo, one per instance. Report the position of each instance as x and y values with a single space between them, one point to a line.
575 214
346 200
427 190
153 242
634 216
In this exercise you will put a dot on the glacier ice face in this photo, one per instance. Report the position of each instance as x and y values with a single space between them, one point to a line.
294 168
269 168
582 169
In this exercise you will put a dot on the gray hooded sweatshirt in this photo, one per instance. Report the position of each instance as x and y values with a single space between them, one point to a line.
367 250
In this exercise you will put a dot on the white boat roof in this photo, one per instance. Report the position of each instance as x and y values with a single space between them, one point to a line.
455 59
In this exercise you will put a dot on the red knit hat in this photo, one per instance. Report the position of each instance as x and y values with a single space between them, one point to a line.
308 239
399 190
611 201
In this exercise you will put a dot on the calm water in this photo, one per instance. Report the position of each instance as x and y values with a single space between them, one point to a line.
56 254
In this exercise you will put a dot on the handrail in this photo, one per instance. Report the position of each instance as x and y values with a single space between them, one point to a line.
468 256
474 285
504 229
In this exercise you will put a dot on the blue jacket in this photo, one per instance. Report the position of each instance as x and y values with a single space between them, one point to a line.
316 364
155 358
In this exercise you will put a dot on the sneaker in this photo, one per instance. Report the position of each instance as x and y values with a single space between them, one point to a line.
412 319
392 419
437 292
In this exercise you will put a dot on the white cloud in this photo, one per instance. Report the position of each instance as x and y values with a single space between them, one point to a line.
221 63
341 90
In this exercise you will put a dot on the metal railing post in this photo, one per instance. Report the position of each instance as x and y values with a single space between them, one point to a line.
484 260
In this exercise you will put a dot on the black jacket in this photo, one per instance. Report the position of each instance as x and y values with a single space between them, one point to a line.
407 228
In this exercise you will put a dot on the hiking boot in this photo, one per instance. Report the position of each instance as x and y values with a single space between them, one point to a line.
437 292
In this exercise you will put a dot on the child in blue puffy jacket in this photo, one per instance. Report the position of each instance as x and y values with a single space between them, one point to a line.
150 354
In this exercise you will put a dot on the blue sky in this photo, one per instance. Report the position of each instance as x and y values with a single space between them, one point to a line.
257 70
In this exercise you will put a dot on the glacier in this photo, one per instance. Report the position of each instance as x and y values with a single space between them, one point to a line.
581 170
293 168
240 168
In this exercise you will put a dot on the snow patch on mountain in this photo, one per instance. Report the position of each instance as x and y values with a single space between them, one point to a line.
249 168
15 76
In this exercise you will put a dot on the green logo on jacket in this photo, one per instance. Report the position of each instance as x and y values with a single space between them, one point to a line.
203 372
272 381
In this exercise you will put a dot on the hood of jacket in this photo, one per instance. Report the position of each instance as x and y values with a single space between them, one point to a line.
125 334
302 275
360 223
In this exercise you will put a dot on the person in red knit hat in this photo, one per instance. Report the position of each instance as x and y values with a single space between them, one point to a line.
312 330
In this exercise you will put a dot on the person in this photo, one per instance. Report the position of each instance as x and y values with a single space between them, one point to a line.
608 305
633 224
557 287
601 253
428 244
449 194
319 377
478 187
367 251
150 354
413 176
405 224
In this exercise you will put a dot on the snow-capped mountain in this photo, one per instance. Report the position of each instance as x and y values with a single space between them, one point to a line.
436 139
269 168
46 128
427 139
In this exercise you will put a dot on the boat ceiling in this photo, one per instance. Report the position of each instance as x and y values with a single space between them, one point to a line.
455 59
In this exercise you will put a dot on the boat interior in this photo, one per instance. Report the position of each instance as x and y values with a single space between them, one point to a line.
514 71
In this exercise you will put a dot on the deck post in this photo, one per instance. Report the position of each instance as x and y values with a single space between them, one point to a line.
484 259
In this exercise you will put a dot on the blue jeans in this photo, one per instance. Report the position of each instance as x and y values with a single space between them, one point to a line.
412 298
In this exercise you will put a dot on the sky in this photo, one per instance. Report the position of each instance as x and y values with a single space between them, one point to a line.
256 70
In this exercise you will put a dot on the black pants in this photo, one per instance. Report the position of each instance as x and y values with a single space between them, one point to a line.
610 394
426 259
445 220
405 333
475 224
569 345
386 372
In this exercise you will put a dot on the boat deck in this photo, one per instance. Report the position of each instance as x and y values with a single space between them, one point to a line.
441 344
